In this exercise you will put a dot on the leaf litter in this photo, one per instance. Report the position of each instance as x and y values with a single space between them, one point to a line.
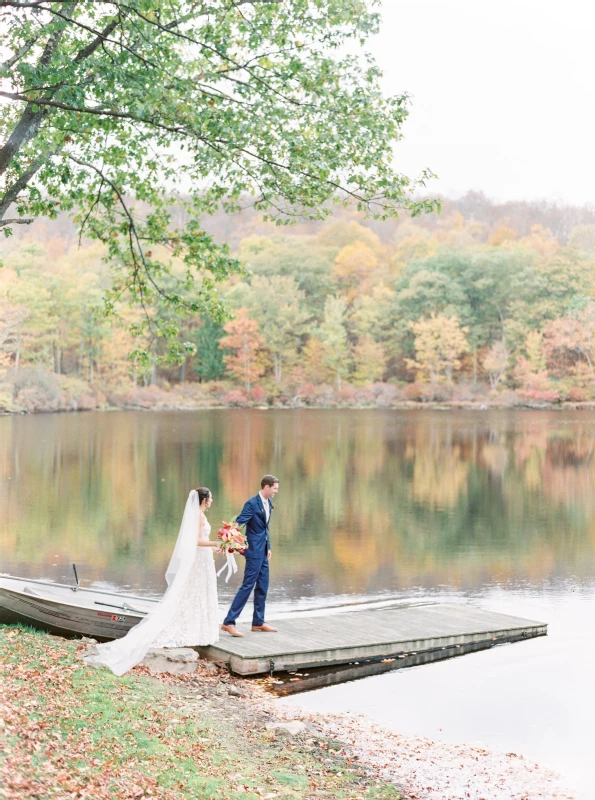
74 732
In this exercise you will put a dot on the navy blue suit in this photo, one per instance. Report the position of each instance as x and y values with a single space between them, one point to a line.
256 571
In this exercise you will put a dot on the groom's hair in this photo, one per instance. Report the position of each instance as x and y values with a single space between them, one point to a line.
268 480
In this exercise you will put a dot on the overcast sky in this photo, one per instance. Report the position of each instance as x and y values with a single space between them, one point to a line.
502 94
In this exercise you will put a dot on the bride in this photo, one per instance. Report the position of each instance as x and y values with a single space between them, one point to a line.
187 614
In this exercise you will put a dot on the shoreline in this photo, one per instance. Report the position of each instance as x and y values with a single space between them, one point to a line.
402 406
433 770
40 393
207 735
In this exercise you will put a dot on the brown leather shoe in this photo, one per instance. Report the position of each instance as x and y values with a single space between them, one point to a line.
265 628
231 629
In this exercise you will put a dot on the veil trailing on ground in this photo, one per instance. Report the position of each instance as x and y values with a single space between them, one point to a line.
123 654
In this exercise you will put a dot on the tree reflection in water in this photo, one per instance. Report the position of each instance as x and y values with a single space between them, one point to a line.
370 501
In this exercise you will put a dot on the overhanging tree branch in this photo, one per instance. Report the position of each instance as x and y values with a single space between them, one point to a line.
135 252
12 192
99 112
220 99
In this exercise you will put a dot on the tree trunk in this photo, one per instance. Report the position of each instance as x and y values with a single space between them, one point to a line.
277 367
183 372
589 362
474 366
247 374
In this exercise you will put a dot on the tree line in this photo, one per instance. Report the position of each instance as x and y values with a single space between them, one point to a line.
435 307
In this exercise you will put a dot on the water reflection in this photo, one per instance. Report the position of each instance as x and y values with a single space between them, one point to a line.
370 501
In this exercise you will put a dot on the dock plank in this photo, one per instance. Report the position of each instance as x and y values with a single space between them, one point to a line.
367 634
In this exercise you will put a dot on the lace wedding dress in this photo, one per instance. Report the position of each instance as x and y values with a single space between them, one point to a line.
187 613
196 619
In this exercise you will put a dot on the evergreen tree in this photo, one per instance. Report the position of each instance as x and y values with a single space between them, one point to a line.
208 360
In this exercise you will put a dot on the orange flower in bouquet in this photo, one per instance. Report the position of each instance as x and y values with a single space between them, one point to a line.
232 539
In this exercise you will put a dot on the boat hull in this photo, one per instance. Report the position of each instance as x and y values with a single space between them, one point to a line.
69 612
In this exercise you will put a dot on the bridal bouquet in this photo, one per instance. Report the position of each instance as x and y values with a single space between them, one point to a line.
233 540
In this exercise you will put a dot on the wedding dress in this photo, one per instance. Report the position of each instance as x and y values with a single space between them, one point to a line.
196 619
187 614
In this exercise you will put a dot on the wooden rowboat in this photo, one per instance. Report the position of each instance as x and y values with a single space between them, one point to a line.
70 610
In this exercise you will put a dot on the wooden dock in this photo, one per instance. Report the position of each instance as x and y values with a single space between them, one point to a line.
413 633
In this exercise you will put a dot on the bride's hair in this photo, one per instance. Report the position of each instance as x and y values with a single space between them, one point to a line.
203 493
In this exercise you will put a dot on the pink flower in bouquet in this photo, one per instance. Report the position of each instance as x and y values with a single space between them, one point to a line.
232 538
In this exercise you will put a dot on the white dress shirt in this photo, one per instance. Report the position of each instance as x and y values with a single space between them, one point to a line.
267 508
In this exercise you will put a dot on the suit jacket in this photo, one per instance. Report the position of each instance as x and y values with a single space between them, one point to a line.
257 527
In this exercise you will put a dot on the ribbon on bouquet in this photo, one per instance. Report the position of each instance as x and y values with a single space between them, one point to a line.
230 565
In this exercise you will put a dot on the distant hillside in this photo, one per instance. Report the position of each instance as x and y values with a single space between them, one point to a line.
520 216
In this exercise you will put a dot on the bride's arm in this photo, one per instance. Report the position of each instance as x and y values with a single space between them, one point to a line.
207 542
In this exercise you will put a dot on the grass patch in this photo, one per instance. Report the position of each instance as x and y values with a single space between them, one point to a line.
287 779
72 731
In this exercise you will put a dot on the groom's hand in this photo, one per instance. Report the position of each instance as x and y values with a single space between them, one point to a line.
269 554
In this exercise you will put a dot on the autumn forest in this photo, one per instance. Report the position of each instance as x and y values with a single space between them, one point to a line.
482 303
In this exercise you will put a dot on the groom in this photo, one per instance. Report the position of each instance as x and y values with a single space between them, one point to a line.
255 516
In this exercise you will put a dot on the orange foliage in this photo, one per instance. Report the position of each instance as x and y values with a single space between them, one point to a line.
246 361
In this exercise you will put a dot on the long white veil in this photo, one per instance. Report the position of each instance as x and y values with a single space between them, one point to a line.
123 654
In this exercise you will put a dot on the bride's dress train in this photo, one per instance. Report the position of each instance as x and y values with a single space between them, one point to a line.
187 614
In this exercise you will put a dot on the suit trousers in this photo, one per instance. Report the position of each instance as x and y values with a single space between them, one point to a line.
256 576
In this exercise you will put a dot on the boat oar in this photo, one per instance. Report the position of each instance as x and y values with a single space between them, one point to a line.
99 603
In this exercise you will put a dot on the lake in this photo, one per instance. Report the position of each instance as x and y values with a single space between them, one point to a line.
495 508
